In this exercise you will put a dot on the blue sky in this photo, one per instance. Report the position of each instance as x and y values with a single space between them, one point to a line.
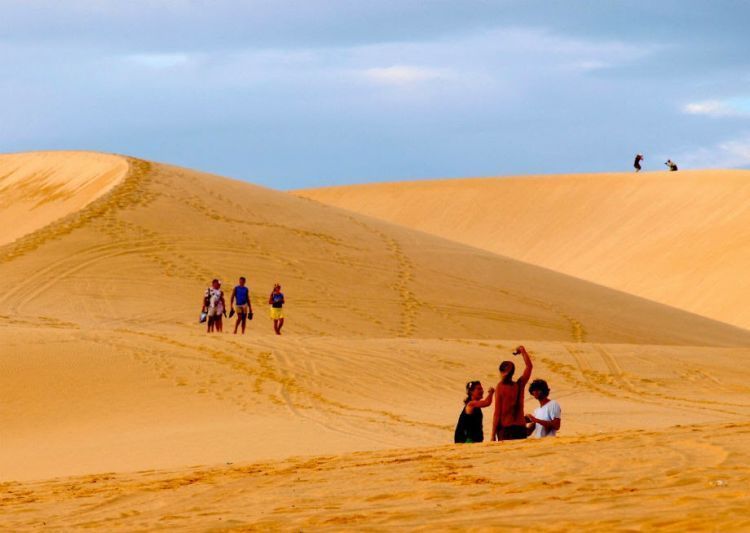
306 93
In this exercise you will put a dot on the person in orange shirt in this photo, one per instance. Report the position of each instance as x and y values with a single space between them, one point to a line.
508 422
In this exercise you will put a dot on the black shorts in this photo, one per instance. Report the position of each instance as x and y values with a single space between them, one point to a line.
512 433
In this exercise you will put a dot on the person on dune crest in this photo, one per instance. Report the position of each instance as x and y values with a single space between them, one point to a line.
637 163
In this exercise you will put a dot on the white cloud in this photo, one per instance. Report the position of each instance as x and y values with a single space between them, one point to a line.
403 74
732 153
736 107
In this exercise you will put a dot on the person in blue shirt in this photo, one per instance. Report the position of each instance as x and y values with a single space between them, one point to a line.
240 302
276 301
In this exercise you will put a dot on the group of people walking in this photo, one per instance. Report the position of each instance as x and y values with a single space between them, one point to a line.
509 421
671 165
214 307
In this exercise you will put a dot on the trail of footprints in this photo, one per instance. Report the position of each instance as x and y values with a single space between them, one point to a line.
618 384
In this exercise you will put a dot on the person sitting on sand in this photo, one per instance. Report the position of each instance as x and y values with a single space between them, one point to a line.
240 302
637 164
469 427
672 165
276 301
546 418
508 422
213 303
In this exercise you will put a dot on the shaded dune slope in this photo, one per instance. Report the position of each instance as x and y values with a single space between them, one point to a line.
676 238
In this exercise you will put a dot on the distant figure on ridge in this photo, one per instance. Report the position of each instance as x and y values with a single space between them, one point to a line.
546 418
508 422
672 165
637 164
214 306
469 427
276 301
240 303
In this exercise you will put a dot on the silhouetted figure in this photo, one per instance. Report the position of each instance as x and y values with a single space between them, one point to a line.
671 165
637 163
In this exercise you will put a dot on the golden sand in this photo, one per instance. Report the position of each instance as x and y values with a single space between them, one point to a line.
679 238
38 188
119 412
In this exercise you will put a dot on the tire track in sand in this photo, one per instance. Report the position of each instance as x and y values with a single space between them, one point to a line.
44 279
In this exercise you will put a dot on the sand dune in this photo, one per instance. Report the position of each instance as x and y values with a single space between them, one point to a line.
143 254
105 371
694 481
39 188
676 238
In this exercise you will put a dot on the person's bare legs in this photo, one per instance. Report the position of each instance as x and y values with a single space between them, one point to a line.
210 326
241 319
219 324
281 325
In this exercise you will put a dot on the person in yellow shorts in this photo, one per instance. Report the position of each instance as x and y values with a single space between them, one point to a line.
276 301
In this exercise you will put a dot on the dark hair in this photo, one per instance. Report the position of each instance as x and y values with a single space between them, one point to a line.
242 278
509 367
470 386
214 280
540 385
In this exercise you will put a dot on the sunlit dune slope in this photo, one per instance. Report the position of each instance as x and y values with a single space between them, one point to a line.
38 188
693 480
142 255
78 401
105 368
677 238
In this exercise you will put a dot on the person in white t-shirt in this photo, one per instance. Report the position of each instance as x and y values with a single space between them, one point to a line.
546 418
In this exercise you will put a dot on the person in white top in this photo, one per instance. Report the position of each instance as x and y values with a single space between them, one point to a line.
213 306
546 418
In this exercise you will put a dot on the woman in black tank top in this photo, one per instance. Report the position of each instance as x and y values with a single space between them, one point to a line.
469 427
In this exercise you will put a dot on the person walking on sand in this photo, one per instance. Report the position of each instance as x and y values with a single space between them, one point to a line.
469 427
671 165
213 303
508 422
637 164
545 422
240 302
276 301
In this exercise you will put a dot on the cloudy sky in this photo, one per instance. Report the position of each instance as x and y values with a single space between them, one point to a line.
305 93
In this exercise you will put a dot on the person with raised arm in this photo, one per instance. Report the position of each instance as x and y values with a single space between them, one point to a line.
508 422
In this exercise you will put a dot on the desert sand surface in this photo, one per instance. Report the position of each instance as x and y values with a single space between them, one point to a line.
119 412
39 188
679 238
625 481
